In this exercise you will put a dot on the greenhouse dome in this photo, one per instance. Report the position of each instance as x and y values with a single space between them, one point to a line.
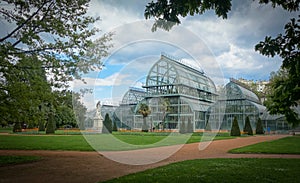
235 101
177 93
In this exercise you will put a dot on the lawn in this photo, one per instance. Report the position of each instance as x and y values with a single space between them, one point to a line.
44 142
8 160
221 170
117 141
288 145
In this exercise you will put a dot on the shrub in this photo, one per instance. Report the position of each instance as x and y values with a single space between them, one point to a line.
259 127
235 129
17 127
50 128
115 128
107 124
247 127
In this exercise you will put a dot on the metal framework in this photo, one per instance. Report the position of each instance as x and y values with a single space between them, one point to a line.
177 93
235 101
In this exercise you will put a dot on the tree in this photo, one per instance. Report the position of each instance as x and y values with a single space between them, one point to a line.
247 128
235 129
259 127
107 124
144 110
48 44
286 94
24 91
167 12
58 32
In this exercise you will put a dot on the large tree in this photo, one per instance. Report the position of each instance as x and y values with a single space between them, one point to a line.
167 13
58 32
44 44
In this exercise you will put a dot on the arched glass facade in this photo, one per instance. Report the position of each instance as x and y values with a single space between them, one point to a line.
177 93
235 101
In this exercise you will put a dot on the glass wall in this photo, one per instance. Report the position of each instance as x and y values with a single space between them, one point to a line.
177 93
235 101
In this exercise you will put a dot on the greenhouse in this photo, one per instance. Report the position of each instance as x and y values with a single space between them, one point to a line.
126 110
235 101
176 93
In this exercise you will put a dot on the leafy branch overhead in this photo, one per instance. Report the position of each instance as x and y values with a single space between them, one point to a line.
58 31
167 13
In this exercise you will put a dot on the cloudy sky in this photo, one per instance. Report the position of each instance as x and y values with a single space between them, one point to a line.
222 48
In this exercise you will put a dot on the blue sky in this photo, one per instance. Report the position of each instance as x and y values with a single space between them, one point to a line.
222 48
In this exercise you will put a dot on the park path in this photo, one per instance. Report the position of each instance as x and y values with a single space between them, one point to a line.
71 166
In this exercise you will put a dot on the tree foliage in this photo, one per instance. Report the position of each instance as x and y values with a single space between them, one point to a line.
47 43
247 128
167 13
58 32
259 127
235 129
284 93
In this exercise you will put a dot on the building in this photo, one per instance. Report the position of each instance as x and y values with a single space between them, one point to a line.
235 101
178 93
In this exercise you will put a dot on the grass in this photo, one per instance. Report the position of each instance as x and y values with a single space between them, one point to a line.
5 130
221 170
44 142
8 160
288 145
117 141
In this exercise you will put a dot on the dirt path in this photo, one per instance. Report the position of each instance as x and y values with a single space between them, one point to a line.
71 166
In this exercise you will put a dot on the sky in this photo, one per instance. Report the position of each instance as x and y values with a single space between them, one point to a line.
222 48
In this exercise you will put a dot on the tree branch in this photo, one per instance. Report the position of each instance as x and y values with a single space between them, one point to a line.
24 23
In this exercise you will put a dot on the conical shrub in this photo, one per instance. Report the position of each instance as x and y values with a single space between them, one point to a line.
247 128
235 129
259 127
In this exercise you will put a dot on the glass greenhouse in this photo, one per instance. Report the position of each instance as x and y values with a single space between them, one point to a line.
176 93
126 110
235 101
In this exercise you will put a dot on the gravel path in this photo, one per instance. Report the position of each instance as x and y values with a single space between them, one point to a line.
74 166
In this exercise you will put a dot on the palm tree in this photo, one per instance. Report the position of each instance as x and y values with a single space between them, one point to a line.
144 110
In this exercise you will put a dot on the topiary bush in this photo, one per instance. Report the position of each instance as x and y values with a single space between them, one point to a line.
235 129
247 128
51 125
259 127
107 124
